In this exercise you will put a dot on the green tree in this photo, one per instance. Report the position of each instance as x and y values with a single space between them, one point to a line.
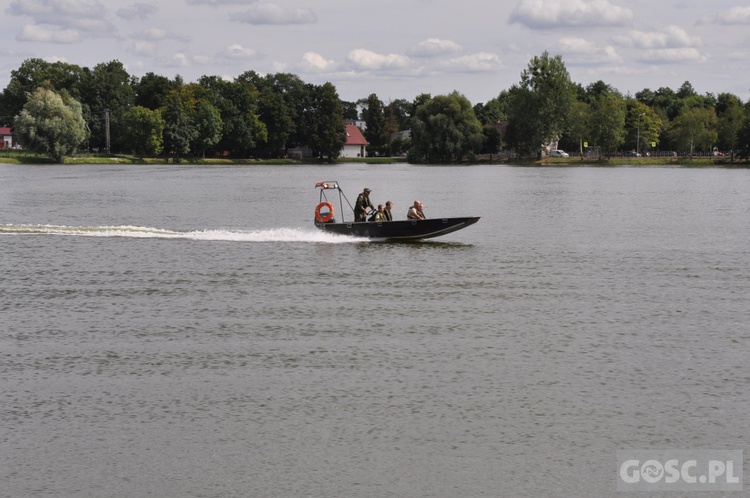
578 127
643 126
208 125
328 133
538 106
35 73
731 117
401 111
297 100
494 111
237 102
51 124
444 130
607 121
743 137
273 112
350 110
375 122
143 131
492 140
106 93
179 129
695 129
151 90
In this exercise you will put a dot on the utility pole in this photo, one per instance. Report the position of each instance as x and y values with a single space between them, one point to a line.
106 128
638 140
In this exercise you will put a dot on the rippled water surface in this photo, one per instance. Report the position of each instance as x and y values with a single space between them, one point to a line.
186 332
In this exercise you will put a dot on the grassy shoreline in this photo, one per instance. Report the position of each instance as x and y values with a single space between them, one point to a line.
721 162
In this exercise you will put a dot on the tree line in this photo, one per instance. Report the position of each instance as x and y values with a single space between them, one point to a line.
57 108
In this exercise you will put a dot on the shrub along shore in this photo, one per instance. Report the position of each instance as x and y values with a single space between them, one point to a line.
19 157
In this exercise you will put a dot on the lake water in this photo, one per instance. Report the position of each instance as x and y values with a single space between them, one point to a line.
186 332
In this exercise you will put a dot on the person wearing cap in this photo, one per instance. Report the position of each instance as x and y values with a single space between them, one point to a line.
362 205
416 211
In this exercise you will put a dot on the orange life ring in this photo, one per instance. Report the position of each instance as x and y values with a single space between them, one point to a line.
325 217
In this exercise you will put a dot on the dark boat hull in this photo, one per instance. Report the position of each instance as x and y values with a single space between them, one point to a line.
400 229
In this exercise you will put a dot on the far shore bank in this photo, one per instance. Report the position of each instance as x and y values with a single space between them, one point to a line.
720 162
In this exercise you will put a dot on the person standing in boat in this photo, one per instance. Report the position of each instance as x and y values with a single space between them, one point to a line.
387 211
362 205
416 212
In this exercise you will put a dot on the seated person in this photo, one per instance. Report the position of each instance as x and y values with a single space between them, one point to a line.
416 212
379 215
387 211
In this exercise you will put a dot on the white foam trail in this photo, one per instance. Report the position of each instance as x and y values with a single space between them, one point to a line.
266 235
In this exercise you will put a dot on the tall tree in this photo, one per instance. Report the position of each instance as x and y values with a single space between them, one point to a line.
34 73
401 111
539 104
107 93
143 131
328 133
179 129
444 130
51 124
731 117
151 90
237 102
579 126
642 126
743 137
607 121
374 117
208 126
695 129
493 112
274 113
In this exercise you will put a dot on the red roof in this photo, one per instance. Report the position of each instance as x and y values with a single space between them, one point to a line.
5 130
354 136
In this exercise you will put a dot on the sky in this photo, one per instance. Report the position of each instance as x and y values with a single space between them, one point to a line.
396 49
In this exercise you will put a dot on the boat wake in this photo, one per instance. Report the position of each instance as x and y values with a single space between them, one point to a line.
265 235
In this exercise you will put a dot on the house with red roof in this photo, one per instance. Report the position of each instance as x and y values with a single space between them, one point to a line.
356 144
6 137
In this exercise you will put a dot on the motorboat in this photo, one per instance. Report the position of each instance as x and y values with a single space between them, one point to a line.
408 229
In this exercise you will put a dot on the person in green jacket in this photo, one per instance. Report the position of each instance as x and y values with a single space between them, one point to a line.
387 211
380 214
362 205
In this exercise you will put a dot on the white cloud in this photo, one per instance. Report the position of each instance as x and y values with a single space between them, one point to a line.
237 51
671 37
202 59
137 11
144 48
158 34
181 59
433 47
88 16
583 52
735 15
317 63
672 55
36 33
371 61
271 13
546 14
220 2
479 62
